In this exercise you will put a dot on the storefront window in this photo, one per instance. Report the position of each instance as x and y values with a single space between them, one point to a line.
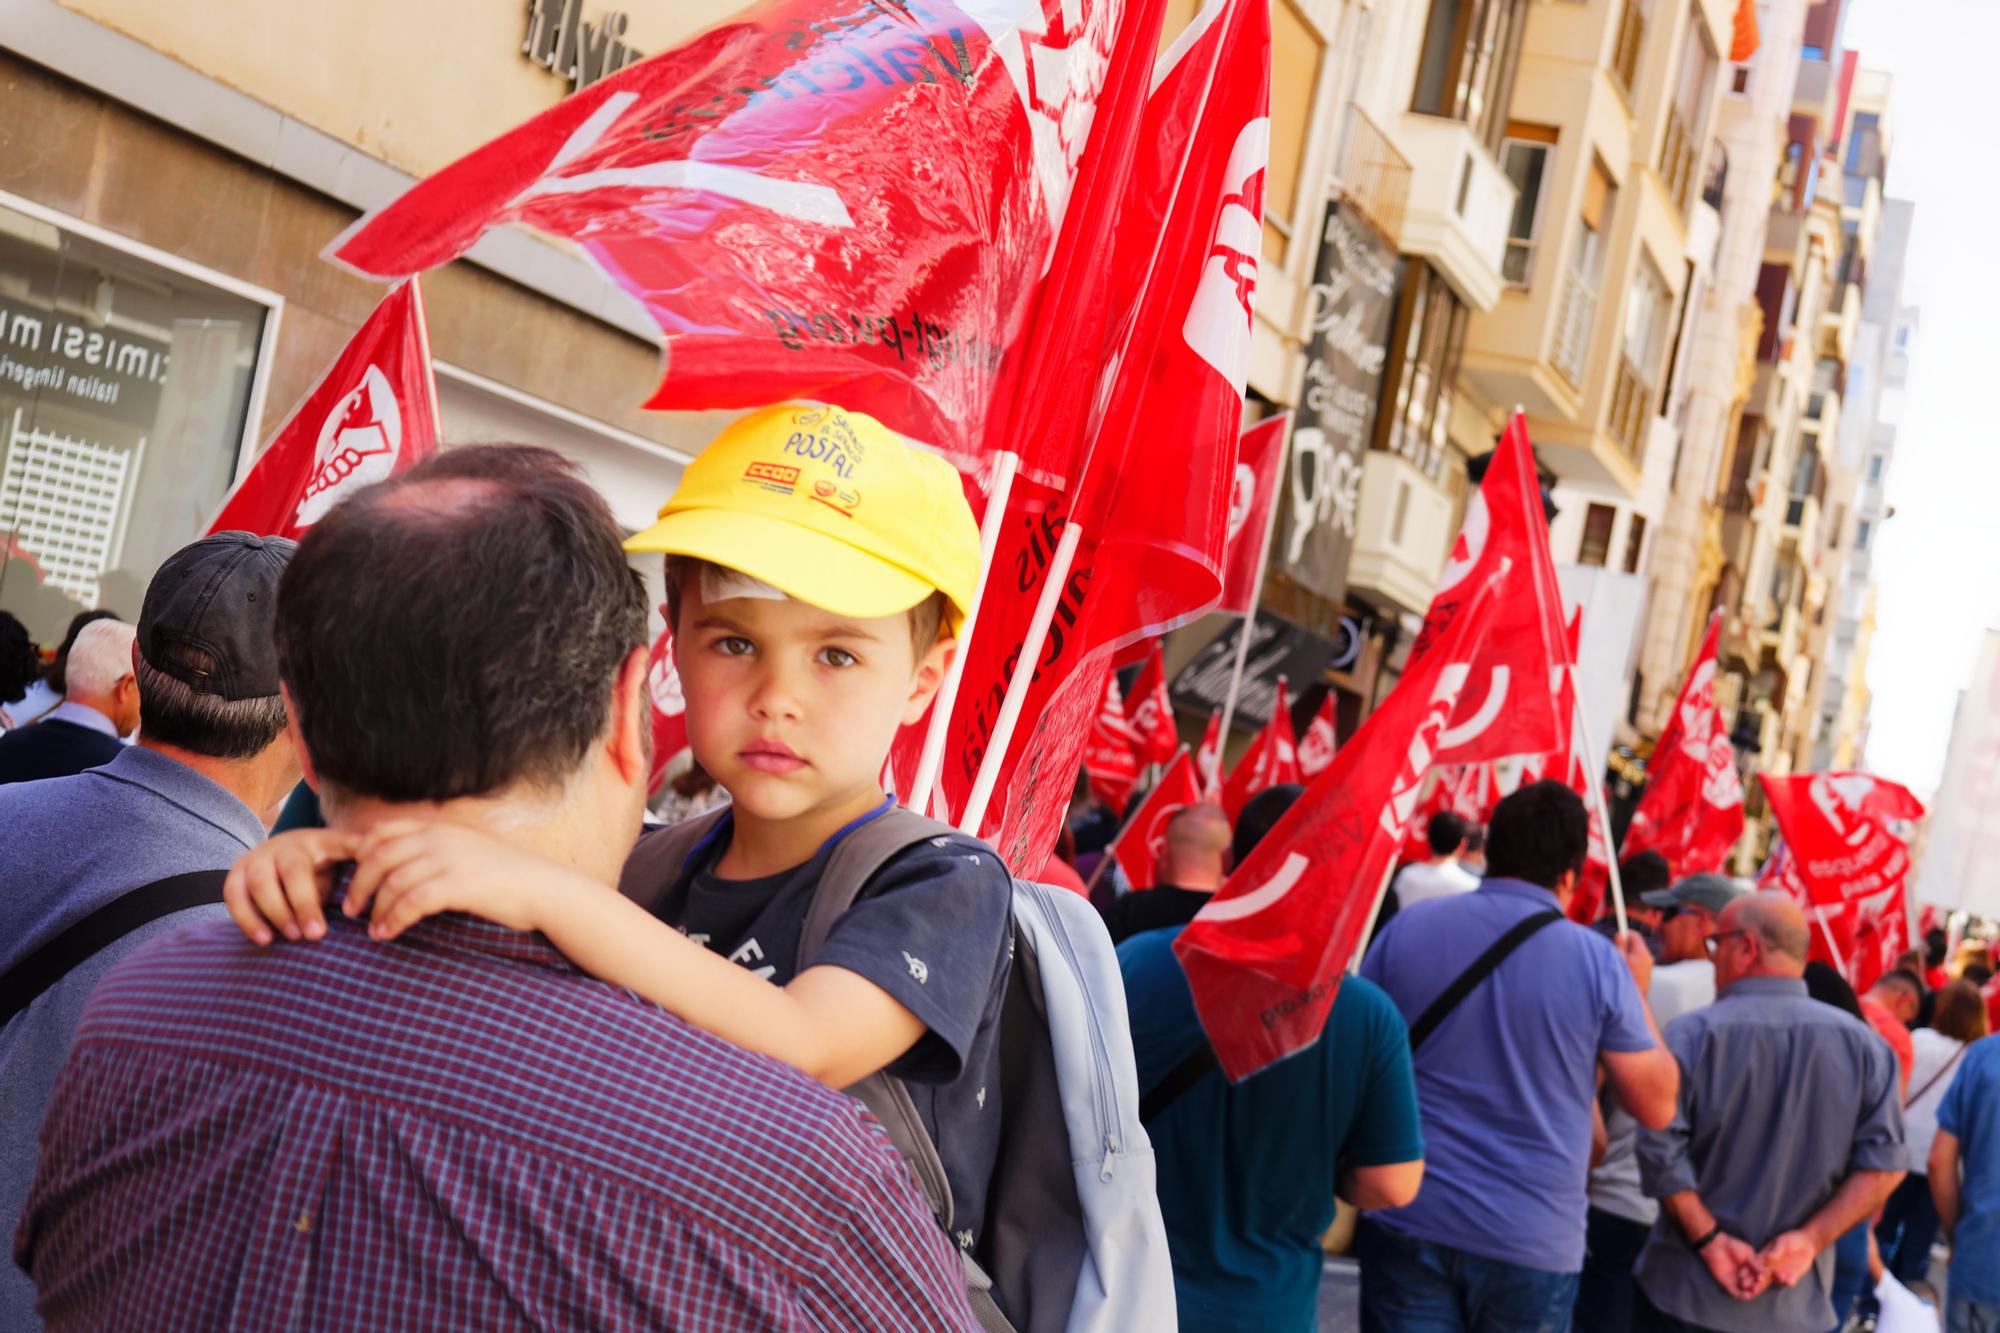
123 389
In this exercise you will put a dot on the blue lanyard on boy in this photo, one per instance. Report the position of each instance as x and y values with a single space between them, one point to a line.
727 822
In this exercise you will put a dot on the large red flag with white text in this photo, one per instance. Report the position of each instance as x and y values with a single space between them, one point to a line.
1273 758
1839 845
1139 843
1152 712
1252 492
372 415
1509 705
1692 809
1264 957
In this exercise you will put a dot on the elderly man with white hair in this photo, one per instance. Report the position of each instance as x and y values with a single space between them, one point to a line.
85 729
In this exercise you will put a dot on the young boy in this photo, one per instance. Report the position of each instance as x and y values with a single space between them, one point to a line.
817 570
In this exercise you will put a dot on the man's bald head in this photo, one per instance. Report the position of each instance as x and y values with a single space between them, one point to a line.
1196 855
1772 942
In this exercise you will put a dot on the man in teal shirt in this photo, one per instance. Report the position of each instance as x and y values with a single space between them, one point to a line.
1965 1183
1248 1173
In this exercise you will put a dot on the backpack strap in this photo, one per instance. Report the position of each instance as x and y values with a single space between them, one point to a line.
1178 1080
660 858
1482 968
26 981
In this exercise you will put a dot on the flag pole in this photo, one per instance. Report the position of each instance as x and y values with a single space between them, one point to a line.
999 488
1840 961
1374 915
1002 736
1249 616
1595 771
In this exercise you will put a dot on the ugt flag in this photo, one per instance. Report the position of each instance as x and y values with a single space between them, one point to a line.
1208 756
1316 747
1152 711
373 414
1107 755
1139 843
1252 490
1264 957
1692 809
1837 838
1273 758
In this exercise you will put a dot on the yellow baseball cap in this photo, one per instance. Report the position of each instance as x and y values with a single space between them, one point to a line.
828 506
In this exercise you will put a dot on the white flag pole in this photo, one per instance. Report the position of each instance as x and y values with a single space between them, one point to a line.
1056 579
1839 959
999 487
1594 775
1374 915
1249 616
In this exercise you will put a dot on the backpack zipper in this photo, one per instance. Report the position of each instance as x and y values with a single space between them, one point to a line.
1105 1097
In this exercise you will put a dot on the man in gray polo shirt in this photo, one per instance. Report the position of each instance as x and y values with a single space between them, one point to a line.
212 761
1789 1131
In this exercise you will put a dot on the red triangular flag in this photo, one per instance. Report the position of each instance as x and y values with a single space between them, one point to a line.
1251 496
1152 712
373 414
1208 756
1264 957
1107 754
1272 758
1692 809
669 708
1316 747
1509 705
1138 844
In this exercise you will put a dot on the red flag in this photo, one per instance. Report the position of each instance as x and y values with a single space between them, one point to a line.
848 204
1251 494
1839 843
372 415
1509 706
1316 747
1271 759
1152 711
1208 756
1692 810
1114 769
1138 844
663 689
1264 957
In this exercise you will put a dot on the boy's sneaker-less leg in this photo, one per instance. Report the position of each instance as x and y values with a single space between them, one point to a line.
1408 1285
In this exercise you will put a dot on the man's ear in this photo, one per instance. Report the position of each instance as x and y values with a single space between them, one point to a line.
930 674
629 744
1565 887
298 738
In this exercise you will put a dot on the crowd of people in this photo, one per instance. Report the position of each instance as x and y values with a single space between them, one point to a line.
473 1042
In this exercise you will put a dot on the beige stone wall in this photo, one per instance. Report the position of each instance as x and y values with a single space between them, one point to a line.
416 85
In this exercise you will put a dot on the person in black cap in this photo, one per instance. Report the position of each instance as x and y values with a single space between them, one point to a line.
100 862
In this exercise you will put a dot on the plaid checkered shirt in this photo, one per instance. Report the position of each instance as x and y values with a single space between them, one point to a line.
457 1130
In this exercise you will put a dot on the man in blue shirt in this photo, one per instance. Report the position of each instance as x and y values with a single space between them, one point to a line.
1965 1183
1506 1082
1248 1173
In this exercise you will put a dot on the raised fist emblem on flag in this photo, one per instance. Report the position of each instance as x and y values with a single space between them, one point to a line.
358 445
1242 498
1218 319
1841 798
1720 786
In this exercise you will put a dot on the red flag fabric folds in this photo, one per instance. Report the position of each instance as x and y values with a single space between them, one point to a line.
1692 809
1253 490
1152 712
1138 844
1273 757
372 415
1264 957
1316 747
1208 756
1107 756
1835 826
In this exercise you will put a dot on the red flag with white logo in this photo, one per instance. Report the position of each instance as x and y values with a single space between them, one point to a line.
372 415
1273 758
1265 956
1839 845
1252 490
1316 747
1509 705
1152 712
1692 809
1107 755
1208 756
1138 844
669 709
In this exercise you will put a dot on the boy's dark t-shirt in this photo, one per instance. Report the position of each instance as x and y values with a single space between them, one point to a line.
933 928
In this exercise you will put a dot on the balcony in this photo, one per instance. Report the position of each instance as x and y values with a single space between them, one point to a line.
1841 322
1374 176
1630 43
1402 533
1802 514
1457 206
1677 159
1631 401
1573 325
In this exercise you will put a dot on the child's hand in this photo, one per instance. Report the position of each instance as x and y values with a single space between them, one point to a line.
408 870
280 883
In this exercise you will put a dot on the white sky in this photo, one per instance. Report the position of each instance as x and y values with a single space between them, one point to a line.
1936 560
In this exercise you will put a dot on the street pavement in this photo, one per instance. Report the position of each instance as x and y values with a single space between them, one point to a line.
1339 1296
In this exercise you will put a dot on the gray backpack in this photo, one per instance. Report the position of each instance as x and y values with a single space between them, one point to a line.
1073 1235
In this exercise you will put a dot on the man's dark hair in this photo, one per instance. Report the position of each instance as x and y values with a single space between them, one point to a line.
1829 987
1908 982
1977 973
458 629
174 713
1644 872
56 676
19 662
1936 942
1446 832
1539 834
1260 814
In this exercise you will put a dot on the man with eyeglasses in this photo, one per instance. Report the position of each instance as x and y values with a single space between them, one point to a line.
1788 1132
1621 1213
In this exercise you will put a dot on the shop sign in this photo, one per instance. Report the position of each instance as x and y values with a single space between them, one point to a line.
582 52
51 356
1277 648
1353 303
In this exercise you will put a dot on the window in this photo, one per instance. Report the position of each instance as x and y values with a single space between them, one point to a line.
1875 466
123 408
1424 347
1739 79
1687 120
1862 531
1647 313
1526 155
1466 69
1586 271
1635 544
1596 546
1296 51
